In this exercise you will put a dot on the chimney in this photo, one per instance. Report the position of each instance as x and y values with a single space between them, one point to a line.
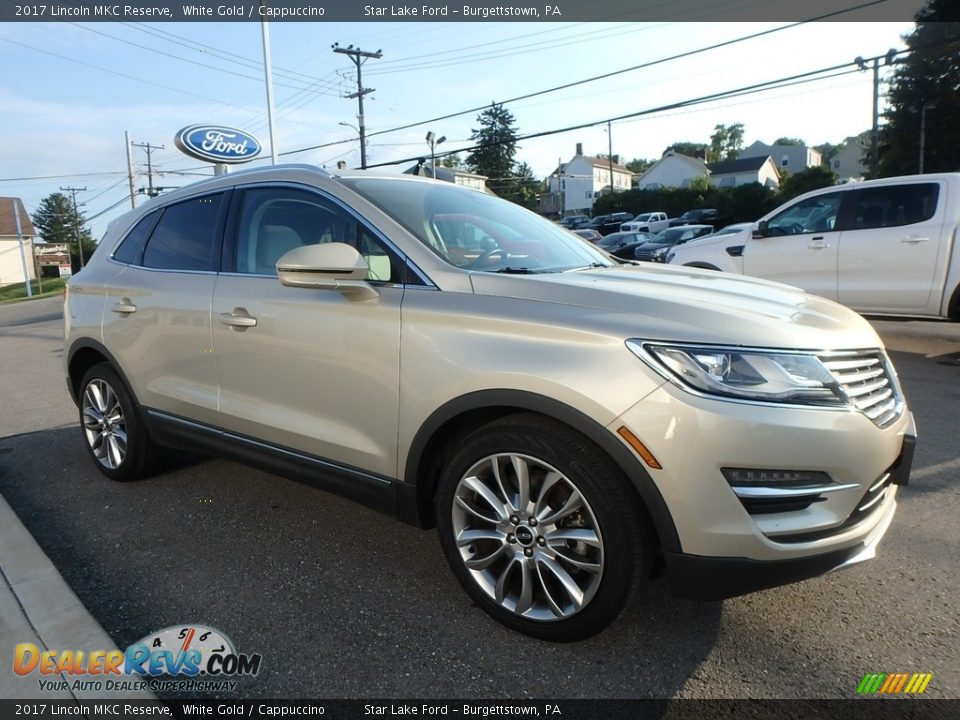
341 164
579 148
616 159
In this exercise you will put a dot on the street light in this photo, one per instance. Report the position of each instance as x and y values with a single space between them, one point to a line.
433 141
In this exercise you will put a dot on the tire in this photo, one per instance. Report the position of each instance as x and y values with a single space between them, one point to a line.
112 427
559 566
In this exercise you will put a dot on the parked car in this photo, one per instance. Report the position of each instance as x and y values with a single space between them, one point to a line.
606 224
454 360
659 245
572 222
884 247
587 234
623 244
650 222
699 216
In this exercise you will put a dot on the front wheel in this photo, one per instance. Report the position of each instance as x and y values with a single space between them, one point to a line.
539 528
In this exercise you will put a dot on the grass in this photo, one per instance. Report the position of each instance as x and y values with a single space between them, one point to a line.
18 292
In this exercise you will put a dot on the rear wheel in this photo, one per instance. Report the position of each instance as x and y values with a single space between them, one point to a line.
539 529
113 431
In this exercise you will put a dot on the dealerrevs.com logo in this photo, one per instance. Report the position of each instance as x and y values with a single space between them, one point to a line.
180 652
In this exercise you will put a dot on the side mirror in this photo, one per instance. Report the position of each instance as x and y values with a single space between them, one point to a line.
760 231
327 266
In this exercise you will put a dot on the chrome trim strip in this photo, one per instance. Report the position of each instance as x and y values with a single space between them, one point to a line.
267 446
880 482
766 491
880 496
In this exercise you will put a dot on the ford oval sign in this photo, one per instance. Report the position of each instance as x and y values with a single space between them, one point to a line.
218 144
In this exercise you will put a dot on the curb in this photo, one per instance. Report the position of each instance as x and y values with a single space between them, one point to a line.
37 606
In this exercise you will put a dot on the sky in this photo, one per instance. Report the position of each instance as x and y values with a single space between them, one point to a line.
70 90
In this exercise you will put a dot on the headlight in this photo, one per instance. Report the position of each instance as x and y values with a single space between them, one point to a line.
670 256
746 374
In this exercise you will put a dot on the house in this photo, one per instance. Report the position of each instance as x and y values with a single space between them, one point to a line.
672 170
574 185
451 175
11 261
743 171
792 158
848 163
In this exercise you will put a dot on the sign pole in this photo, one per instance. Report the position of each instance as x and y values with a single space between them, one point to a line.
23 255
268 77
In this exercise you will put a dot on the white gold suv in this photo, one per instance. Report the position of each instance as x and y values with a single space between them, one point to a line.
453 360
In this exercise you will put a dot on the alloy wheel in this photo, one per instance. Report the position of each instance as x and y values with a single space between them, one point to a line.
103 423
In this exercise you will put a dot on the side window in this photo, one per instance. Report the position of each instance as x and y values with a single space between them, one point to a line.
131 249
274 221
895 205
816 214
185 236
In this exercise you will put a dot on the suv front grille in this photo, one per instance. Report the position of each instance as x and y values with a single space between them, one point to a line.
867 381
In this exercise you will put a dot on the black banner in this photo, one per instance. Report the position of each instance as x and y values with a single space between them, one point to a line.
457 10
863 709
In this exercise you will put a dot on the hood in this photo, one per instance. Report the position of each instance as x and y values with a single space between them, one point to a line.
663 302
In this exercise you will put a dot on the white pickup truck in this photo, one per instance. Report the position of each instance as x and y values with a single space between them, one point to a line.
648 222
884 247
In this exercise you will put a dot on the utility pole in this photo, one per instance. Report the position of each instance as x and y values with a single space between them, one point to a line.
359 57
76 220
610 152
130 180
924 106
875 132
268 80
149 148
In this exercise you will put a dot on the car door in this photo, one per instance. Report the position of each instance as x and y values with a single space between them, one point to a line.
889 252
800 246
157 317
305 369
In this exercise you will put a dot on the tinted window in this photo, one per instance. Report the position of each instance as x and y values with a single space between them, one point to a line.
185 237
816 214
895 205
131 249
274 221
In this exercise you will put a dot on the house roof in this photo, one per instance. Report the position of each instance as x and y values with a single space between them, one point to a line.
443 173
595 162
740 165
8 222
698 165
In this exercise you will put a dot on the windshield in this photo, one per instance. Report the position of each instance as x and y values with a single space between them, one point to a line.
641 217
476 231
674 236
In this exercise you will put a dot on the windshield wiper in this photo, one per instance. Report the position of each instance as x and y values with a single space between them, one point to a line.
591 266
517 271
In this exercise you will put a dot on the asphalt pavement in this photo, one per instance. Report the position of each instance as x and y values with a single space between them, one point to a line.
343 602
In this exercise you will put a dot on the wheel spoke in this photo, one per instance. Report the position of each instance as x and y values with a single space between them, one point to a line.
573 503
525 601
114 454
579 561
467 537
121 437
474 483
96 398
567 582
482 563
91 417
551 479
500 592
461 503
584 535
507 497
522 470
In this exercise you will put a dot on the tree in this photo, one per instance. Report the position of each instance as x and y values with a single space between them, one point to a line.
57 222
639 165
496 142
924 88
690 149
797 142
726 142
453 162
811 178
523 188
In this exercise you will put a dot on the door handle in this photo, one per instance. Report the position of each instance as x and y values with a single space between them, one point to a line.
914 239
817 243
239 319
124 307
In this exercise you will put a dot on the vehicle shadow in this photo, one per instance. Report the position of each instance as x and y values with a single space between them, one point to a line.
339 600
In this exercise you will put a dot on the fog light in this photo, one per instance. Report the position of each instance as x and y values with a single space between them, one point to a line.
741 477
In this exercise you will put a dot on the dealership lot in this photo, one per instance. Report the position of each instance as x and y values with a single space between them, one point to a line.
343 602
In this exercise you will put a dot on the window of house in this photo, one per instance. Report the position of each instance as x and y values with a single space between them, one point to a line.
895 205
274 221
785 161
185 237
836 163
